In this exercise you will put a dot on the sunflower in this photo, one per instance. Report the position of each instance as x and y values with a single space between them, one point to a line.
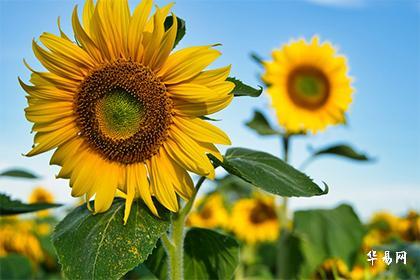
210 213
123 111
332 269
409 227
41 195
15 238
387 226
308 85
255 220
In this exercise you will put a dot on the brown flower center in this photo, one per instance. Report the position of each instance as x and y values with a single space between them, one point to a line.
123 112
262 212
308 87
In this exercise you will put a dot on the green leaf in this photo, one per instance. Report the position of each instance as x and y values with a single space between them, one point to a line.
157 262
242 89
206 118
232 188
257 58
216 258
180 33
13 207
19 173
260 124
342 150
290 255
208 255
325 234
140 272
268 173
100 246
14 266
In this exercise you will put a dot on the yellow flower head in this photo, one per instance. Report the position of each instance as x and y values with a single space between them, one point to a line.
308 85
41 195
409 227
121 110
386 224
331 267
255 220
210 213
20 240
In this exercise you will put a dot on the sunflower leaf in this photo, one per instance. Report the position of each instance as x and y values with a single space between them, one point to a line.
208 255
342 150
100 246
260 124
180 33
325 234
257 58
13 207
14 266
268 172
19 173
242 89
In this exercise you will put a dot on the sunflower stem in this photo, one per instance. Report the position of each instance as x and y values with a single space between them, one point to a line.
283 210
174 244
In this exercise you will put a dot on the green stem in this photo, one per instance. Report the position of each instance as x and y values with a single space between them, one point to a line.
282 213
286 149
174 244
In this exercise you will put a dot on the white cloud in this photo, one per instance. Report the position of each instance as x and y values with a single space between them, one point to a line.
339 3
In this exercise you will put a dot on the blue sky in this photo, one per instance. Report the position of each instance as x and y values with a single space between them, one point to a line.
380 39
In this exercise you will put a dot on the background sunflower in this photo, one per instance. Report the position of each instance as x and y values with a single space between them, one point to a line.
308 85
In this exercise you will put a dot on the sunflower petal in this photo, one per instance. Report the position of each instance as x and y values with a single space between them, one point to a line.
106 186
201 130
186 152
161 184
186 63
181 180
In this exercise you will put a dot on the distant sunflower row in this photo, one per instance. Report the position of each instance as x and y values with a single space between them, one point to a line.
255 220
252 220
29 236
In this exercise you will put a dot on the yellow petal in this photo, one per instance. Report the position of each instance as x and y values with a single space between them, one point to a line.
143 186
54 64
203 108
136 28
87 14
190 92
105 186
186 63
180 178
201 130
187 153
46 92
131 192
166 45
83 38
161 184
84 174
211 77
211 149
67 51
65 151
50 140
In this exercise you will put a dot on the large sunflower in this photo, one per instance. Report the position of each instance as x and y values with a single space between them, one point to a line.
255 220
122 110
308 85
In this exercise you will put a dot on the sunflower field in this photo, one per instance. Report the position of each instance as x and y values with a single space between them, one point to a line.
175 155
